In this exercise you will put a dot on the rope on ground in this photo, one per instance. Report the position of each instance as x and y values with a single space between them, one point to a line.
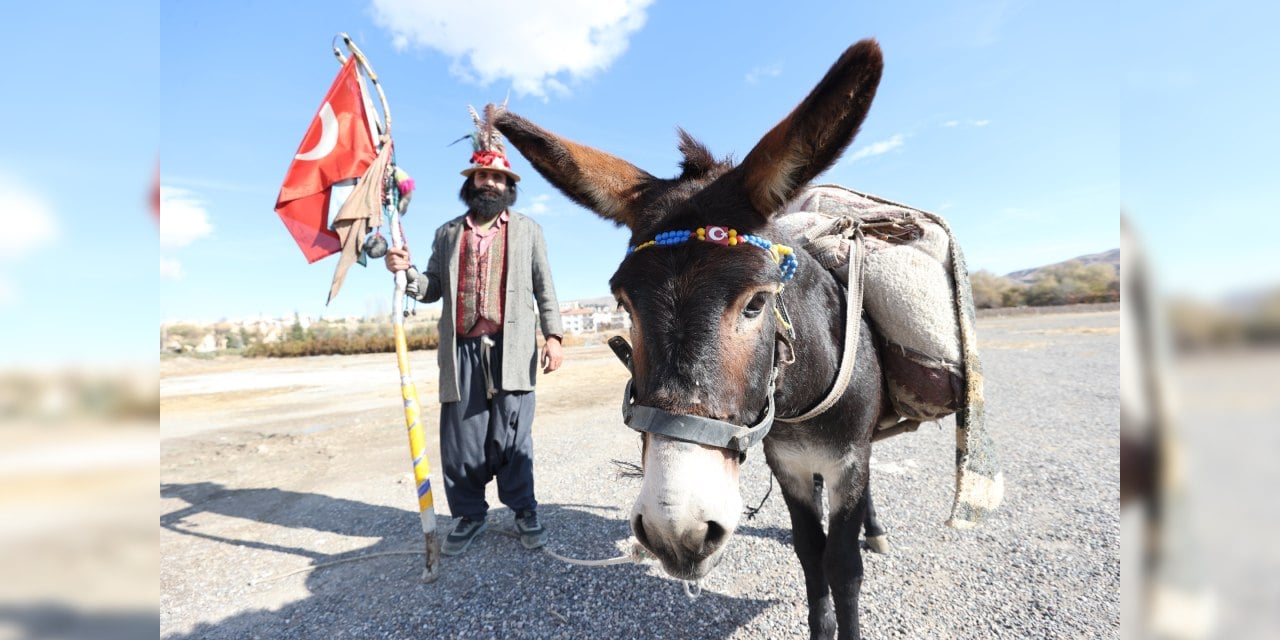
622 559
339 561
636 555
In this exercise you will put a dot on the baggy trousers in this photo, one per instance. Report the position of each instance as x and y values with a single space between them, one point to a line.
483 438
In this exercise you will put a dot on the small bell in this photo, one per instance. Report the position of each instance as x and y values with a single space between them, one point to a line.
375 246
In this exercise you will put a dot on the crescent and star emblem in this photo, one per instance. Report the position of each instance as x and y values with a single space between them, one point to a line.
328 135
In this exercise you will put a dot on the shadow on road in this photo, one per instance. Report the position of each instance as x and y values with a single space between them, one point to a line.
496 589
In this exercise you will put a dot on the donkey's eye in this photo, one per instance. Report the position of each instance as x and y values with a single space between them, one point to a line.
756 305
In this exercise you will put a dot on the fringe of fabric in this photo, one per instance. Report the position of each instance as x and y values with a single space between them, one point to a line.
979 481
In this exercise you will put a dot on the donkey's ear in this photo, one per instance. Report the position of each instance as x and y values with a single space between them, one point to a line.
607 185
810 139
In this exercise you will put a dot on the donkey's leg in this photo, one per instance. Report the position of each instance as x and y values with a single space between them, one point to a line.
842 561
877 539
810 543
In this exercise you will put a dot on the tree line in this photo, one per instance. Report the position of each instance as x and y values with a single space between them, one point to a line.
1071 282
323 337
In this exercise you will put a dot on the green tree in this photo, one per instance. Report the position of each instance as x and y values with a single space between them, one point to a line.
296 332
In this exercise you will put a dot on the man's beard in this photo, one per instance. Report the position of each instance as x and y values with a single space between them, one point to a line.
486 204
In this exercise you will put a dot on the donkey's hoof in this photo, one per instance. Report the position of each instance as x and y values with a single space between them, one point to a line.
431 573
878 544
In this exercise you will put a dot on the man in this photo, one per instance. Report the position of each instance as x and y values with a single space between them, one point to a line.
489 266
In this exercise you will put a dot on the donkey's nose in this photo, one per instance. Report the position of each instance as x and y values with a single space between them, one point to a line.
637 527
695 543
715 536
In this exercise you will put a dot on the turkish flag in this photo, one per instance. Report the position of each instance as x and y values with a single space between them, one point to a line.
338 145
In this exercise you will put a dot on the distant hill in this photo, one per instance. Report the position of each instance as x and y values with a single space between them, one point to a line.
1027 276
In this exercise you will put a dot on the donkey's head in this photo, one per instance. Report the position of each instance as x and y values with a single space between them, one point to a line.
701 283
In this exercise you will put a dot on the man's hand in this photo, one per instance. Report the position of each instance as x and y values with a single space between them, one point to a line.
551 355
397 260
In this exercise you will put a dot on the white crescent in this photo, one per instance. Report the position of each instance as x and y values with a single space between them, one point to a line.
328 135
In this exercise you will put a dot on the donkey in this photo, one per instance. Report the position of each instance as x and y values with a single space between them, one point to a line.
731 326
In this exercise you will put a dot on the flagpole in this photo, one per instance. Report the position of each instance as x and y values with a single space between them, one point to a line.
408 391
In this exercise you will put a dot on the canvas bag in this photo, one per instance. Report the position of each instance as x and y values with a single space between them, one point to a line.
915 291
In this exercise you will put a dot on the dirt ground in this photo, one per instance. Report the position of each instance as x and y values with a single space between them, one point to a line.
230 398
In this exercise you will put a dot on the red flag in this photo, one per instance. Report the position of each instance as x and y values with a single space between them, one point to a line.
338 146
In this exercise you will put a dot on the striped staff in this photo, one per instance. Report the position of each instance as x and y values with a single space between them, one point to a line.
408 392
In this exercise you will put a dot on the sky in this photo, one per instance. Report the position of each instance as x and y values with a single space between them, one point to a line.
1028 125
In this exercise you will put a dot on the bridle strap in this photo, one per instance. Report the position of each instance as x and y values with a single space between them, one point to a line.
697 429
852 327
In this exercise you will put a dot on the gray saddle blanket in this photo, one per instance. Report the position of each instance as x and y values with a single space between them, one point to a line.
915 291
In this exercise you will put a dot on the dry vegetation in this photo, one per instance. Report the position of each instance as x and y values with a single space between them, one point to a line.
1068 283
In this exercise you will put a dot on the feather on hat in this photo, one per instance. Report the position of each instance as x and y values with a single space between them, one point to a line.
488 151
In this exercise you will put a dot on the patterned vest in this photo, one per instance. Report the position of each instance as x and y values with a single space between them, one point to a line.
481 279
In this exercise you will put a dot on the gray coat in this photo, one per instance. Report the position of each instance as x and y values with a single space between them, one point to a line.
528 281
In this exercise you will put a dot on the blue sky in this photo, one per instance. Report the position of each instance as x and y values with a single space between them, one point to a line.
78 249
1028 125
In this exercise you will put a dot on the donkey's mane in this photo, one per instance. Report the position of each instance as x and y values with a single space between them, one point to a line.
698 162
699 195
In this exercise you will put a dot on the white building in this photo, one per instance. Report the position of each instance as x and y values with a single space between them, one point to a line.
618 320
577 321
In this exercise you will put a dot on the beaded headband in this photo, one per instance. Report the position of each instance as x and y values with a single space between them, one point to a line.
781 253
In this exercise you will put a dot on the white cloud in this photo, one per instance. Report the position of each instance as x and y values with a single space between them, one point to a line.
171 269
951 124
183 219
539 205
506 40
878 148
763 71
27 219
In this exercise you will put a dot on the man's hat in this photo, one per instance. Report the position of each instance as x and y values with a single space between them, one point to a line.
488 151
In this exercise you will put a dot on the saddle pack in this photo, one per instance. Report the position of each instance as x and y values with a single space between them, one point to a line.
911 280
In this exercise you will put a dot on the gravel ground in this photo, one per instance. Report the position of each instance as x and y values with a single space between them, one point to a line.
244 506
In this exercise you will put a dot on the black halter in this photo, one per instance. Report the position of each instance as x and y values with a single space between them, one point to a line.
696 429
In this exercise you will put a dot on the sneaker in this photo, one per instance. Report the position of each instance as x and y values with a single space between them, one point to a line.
532 533
460 538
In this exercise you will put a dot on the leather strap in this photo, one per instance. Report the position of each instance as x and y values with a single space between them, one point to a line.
852 327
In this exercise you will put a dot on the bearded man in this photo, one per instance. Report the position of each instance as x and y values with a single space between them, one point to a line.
489 266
